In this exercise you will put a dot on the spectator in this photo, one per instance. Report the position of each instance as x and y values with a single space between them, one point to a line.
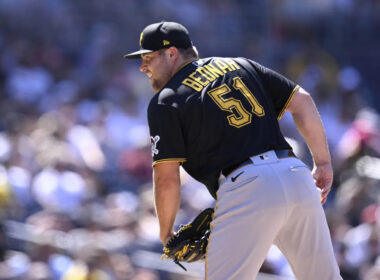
75 161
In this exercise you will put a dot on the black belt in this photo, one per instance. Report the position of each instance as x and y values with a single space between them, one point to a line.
280 154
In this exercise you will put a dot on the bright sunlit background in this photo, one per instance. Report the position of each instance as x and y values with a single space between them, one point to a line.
75 160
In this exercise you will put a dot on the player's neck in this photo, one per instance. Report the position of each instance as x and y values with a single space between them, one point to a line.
180 63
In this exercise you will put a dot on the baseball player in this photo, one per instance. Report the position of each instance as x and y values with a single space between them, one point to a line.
218 118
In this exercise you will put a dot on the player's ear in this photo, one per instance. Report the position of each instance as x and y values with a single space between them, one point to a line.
173 53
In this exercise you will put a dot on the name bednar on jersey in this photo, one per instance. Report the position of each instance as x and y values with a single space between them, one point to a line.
209 73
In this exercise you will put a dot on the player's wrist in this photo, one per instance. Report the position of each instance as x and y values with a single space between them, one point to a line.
322 162
164 238
321 159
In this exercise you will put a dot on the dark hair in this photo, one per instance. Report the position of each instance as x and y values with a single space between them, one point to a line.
189 52
186 53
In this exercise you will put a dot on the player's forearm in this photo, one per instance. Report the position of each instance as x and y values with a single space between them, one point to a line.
309 124
167 202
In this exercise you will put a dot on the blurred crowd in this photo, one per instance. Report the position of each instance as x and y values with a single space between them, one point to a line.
76 197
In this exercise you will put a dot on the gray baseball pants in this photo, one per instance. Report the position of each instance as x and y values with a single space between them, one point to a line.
272 201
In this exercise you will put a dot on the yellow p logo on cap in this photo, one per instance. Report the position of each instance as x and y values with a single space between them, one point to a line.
141 38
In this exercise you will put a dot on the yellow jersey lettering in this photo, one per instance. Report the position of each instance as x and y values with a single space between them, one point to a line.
214 70
198 79
232 64
222 66
193 84
206 74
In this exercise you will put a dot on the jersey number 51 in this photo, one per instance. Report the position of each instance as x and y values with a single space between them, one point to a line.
239 116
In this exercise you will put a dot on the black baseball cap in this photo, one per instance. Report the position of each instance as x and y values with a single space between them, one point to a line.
162 35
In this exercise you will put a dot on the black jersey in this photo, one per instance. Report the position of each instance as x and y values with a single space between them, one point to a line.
216 112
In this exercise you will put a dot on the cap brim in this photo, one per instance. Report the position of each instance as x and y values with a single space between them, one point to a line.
137 54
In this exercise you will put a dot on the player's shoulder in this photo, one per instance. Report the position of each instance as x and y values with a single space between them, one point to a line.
247 62
172 97
161 101
165 96
175 92
244 62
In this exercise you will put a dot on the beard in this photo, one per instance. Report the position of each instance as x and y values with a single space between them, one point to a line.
160 81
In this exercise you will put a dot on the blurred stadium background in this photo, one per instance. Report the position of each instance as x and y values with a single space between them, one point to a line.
75 163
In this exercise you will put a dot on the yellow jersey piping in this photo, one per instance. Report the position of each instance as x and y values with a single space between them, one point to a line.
287 102
169 160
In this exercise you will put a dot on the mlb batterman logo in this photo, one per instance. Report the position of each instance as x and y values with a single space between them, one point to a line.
153 142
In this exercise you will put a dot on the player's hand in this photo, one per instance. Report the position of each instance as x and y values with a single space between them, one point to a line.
323 177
